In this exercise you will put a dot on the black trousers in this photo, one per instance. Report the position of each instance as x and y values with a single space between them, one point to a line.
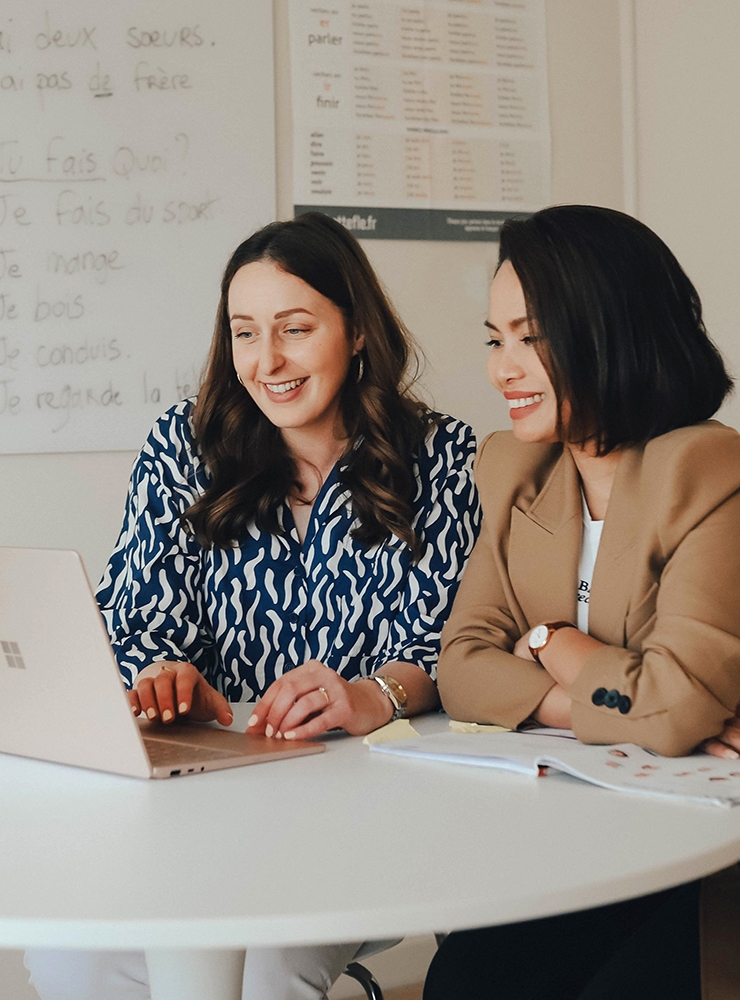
643 949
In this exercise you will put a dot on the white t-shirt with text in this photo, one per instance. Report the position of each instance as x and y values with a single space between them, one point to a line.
589 551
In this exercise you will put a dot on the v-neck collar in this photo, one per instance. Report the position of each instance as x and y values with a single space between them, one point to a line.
328 500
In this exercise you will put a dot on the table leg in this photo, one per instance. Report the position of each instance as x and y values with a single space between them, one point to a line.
195 975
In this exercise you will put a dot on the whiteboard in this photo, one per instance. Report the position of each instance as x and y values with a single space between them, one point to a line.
137 150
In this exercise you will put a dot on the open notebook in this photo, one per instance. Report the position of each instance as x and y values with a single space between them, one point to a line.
624 768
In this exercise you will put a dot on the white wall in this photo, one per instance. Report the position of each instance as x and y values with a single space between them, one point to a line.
688 141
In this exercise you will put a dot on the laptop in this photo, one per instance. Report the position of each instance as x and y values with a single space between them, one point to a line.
62 697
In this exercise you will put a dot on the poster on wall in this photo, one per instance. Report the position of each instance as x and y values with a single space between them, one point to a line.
420 121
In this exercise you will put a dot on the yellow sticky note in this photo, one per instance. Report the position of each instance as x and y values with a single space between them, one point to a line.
401 729
475 727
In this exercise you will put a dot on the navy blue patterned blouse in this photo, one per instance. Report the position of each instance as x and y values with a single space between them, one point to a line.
246 614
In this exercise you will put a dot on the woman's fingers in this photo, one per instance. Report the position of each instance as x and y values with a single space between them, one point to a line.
133 699
185 681
287 696
168 689
310 706
147 697
217 707
718 749
727 744
164 692
288 693
313 727
258 718
157 695
731 732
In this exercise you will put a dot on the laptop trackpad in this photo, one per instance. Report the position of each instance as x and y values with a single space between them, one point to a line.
200 741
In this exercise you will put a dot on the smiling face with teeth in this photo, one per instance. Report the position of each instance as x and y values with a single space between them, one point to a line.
291 350
514 366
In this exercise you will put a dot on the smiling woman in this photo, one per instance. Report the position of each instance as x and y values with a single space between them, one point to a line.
300 303
294 536
514 366
293 350
603 592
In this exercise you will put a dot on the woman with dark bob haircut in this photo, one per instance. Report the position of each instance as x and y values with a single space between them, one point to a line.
602 595
294 537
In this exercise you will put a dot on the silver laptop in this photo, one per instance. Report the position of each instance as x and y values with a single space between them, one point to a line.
62 698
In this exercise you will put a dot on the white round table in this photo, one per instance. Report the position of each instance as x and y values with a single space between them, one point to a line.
347 845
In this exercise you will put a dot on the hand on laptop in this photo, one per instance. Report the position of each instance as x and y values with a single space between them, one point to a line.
312 699
166 690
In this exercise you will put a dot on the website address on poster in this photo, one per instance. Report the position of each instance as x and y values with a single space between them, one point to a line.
415 223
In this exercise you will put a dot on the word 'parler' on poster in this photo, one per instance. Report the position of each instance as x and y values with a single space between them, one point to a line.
435 116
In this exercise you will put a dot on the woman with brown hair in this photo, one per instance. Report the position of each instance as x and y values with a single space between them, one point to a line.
295 536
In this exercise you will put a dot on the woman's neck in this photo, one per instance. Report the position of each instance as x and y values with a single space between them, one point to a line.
597 474
314 457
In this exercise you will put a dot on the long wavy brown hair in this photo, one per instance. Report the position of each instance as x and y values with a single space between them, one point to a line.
251 471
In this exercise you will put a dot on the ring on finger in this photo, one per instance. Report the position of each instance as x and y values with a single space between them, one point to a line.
167 669
326 695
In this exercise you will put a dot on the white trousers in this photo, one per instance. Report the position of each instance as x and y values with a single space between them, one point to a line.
305 973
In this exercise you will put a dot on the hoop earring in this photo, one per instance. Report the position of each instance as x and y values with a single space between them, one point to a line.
239 380
360 368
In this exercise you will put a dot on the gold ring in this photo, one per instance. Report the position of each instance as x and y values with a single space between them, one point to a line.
166 668
328 699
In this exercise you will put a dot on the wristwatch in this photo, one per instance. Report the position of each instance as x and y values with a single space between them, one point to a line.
541 635
394 691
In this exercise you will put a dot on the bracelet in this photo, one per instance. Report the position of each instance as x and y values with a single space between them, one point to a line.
394 691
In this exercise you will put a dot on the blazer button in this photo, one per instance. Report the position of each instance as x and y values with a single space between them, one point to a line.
624 704
598 696
611 698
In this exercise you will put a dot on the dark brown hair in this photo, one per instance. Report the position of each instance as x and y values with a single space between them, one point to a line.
621 328
250 469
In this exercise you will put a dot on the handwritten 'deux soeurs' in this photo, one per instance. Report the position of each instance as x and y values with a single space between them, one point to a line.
109 199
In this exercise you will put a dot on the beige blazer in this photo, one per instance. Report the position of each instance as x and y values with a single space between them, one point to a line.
665 598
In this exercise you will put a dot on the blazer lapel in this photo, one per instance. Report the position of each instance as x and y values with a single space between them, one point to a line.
614 570
545 546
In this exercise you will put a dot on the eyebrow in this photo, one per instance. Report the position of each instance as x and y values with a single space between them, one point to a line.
280 315
515 324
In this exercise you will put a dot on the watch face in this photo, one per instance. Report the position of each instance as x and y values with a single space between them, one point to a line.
538 636
398 692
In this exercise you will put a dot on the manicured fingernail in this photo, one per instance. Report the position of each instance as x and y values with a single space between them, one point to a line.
134 709
167 715
290 735
151 713
230 719
182 707
269 730
252 721
278 735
